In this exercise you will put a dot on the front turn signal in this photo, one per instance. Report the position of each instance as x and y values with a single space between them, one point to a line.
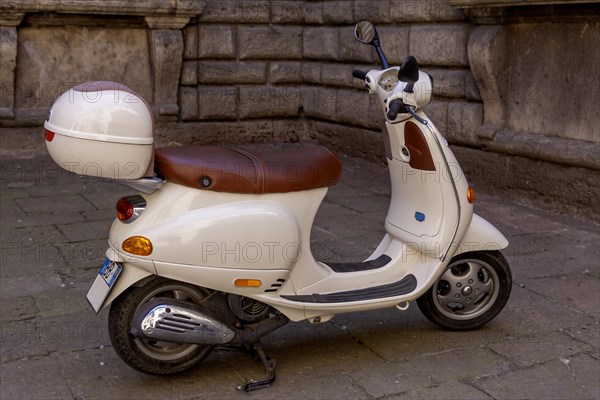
471 195
247 282
138 245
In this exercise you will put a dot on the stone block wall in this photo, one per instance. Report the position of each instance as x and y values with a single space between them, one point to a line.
293 60
516 84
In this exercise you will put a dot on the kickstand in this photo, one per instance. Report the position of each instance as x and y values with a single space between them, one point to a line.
256 350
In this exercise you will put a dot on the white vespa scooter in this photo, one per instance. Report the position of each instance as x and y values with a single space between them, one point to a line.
214 251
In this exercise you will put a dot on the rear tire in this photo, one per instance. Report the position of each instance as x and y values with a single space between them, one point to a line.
471 292
152 356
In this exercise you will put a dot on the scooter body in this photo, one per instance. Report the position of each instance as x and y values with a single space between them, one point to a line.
212 239
252 247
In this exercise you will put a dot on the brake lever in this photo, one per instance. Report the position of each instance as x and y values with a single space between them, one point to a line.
412 111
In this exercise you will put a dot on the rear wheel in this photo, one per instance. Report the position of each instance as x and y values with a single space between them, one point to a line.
153 356
471 292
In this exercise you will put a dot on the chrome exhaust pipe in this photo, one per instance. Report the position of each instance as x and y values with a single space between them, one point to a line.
176 321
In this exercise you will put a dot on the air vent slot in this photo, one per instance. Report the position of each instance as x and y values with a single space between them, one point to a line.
275 286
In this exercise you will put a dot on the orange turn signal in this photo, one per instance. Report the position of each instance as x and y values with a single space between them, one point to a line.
138 245
471 195
247 282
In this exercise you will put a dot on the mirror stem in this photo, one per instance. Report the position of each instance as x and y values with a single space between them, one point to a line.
384 61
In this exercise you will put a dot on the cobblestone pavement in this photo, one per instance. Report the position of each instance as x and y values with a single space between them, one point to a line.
545 344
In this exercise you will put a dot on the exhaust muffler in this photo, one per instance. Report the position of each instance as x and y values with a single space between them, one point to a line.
177 321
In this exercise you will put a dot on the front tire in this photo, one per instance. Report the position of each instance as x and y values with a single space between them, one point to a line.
152 356
471 292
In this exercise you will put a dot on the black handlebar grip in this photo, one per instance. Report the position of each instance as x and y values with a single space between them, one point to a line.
359 74
396 106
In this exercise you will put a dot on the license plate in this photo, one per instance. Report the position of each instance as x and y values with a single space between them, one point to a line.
106 278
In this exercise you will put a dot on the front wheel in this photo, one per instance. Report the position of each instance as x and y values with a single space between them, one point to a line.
153 356
471 292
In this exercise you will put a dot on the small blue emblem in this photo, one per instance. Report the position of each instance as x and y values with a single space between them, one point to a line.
419 216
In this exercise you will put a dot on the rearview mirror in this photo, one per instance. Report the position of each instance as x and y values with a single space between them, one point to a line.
365 32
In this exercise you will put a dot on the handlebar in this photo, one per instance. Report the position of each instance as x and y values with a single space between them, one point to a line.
359 74
396 106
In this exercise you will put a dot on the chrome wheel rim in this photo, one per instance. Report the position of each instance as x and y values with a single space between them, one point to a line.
466 290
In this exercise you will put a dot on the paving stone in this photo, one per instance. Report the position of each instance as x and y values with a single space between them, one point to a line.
544 344
18 308
86 231
19 219
36 337
586 370
28 284
10 212
448 390
26 258
55 204
84 254
460 364
365 204
21 340
589 334
541 348
534 314
64 189
387 378
579 291
64 300
33 379
105 215
558 383
13 193
406 335
37 170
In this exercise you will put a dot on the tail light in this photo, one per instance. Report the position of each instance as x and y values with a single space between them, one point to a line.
48 135
130 207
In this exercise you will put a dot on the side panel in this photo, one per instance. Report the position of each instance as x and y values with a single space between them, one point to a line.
223 230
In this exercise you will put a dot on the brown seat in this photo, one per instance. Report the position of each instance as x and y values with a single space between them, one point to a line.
253 170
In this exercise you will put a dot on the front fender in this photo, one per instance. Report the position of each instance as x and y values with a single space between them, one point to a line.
481 235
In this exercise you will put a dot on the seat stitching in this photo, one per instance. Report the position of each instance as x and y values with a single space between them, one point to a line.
260 170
